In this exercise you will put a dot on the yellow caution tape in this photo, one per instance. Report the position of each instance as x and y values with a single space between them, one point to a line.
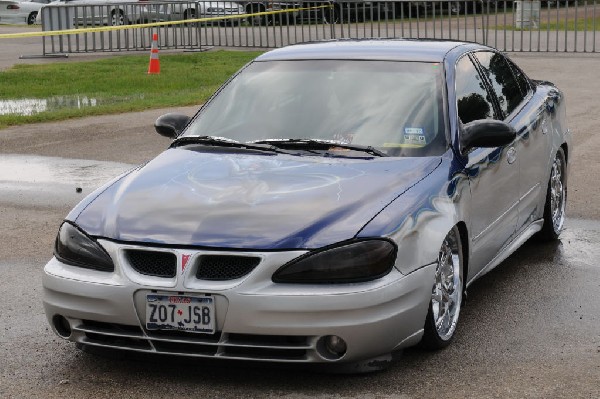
150 25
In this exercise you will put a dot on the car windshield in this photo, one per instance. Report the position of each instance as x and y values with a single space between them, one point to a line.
393 107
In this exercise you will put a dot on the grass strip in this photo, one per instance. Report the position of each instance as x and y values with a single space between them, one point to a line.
587 24
117 84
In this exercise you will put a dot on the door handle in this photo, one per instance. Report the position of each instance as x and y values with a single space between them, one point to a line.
544 125
511 155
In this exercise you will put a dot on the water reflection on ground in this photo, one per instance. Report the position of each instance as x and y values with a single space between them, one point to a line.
32 106
48 181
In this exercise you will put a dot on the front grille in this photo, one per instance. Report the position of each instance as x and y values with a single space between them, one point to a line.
152 263
290 347
113 335
225 267
222 345
255 339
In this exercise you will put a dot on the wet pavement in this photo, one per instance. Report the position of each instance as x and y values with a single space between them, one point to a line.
530 328
46 181
32 106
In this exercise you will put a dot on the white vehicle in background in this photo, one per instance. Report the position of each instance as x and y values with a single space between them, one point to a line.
13 11
180 10
100 12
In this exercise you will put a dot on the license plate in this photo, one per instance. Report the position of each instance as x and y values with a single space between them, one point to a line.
183 313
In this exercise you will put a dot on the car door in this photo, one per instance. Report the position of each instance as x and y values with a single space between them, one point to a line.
527 114
493 172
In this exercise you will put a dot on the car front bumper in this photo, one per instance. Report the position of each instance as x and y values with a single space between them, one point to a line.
256 319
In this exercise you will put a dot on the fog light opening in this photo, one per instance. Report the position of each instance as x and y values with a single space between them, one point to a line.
332 347
62 326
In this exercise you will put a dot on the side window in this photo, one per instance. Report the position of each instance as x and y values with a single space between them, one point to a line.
473 100
503 80
522 80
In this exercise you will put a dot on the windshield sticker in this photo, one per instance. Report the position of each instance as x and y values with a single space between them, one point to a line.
414 136
343 138
401 145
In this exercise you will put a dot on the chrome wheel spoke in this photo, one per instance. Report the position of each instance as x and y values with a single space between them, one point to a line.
557 194
447 288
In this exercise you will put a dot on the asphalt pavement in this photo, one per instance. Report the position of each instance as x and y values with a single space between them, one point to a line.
530 328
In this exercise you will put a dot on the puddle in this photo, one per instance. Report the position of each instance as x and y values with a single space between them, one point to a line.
579 241
32 106
46 181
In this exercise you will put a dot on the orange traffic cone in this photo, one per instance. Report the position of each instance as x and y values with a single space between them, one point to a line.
154 67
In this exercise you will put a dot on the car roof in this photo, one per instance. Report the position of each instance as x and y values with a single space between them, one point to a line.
423 50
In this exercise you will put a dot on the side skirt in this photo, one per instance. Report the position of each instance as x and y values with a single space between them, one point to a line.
510 248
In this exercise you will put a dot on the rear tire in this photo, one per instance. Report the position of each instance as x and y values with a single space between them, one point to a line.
446 294
31 18
117 18
190 14
455 8
331 15
556 199
257 20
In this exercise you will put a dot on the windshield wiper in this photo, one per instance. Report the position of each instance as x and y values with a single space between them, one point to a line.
225 142
313 144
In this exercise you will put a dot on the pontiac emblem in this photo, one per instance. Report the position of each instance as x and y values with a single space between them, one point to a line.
184 261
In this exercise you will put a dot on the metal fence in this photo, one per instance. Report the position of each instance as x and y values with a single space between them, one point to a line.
519 26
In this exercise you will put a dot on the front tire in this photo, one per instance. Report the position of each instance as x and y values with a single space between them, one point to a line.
556 199
446 294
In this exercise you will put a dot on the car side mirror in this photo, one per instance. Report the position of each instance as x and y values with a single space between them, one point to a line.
171 125
486 133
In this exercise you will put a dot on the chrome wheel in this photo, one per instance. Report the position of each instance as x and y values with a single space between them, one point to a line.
557 195
556 199
447 291
446 294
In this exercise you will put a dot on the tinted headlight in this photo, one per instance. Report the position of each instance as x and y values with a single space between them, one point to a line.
76 248
347 263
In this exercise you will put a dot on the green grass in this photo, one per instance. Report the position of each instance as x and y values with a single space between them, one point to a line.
121 84
561 25
582 24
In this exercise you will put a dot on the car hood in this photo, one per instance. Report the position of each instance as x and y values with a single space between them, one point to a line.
247 200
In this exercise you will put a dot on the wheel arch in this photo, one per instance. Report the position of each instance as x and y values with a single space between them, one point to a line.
464 241
565 148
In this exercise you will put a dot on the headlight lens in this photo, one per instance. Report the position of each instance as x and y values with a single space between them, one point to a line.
76 248
350 262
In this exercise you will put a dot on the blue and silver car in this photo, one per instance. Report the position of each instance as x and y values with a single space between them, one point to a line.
331 204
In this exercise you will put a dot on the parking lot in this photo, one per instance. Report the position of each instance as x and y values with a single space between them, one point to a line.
529 328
